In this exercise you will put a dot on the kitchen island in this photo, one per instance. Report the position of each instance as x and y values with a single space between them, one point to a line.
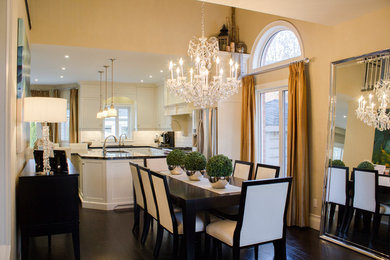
105 179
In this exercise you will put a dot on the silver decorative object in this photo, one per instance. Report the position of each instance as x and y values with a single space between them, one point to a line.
219 182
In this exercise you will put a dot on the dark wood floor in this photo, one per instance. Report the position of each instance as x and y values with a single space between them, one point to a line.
106 235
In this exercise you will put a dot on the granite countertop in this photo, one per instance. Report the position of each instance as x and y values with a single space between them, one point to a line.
124 153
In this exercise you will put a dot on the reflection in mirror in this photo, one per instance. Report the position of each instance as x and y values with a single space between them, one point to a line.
356 205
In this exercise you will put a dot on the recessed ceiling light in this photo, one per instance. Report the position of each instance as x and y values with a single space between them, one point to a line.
61 77
161 71
63 68
36 80
150 76
142 80
66 56
345 116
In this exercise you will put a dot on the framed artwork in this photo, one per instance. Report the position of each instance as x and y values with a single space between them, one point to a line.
23 88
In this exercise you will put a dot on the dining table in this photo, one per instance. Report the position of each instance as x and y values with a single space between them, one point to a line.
196 196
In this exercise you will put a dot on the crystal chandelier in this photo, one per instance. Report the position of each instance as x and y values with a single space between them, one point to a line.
201 85
368 112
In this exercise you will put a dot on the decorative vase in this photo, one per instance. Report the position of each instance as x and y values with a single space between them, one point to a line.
219 182
194 175
175 170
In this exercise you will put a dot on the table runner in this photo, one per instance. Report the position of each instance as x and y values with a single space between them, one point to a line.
204 183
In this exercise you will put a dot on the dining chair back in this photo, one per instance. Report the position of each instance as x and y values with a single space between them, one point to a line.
337 185
157 164
265 171
262 213
166 216
148 190
364 192
242 169
138 189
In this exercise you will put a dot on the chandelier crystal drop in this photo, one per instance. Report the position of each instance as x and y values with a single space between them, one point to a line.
205 84
368 111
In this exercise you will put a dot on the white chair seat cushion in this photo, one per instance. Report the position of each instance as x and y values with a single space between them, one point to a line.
384 209
222 230
199 223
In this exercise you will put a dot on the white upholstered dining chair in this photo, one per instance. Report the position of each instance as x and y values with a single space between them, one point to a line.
157 164
139 196
242 169
151 211
262 218
265 171
168 219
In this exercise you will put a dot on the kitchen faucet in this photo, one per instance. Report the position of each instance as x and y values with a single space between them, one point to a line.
104 145
122 142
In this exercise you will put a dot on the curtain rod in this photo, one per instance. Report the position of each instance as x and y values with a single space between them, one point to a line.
305 60
50 89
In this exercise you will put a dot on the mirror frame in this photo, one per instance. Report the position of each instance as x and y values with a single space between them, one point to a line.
330 140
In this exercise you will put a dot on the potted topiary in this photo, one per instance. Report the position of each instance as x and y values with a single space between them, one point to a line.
194 164
219 168
366 165
175 160
337 163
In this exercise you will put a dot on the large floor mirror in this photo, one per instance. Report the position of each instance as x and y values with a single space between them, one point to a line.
356 198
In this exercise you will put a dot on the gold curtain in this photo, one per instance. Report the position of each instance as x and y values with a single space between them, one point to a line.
247 151
54 127
297 147
74 116
40 93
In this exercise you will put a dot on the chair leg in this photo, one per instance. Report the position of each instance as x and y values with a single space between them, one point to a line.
256 252
375 227
219 250
280 249
331 213
136 220
207 245
160 232
146 227
340 218
175 246
49 242
348 220
236 253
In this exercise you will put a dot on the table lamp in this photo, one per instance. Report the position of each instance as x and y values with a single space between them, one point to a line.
45 110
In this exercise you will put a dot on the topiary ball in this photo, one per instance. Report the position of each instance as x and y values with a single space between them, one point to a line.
366 165
176 158
338 163
195 161
219 165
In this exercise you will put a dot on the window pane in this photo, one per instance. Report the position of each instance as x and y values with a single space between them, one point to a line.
123 117
281 46
65 127
270 128
109 126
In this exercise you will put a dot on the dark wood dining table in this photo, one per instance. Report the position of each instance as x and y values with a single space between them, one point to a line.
193 199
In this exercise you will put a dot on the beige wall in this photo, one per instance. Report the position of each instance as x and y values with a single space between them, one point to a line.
13 162
155 26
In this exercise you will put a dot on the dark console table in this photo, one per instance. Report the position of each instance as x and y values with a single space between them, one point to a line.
48 205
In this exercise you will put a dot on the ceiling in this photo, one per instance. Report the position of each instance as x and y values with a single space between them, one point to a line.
327 12
48 64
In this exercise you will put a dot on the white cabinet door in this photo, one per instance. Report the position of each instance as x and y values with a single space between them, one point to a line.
120 182
94 180
146 108
88 109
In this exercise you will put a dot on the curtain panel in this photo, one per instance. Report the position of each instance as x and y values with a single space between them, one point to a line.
247 149
297 147
74 116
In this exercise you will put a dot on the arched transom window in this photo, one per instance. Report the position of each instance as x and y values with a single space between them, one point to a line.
278 43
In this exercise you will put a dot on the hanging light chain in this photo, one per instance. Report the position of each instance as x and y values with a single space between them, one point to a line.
112 81
105 100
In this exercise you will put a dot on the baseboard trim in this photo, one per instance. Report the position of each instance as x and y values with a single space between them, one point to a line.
315 221
5 252
105 206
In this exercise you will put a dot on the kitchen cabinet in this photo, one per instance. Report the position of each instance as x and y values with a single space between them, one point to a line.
146 108
87 114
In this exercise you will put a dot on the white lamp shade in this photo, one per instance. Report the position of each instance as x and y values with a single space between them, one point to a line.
44 109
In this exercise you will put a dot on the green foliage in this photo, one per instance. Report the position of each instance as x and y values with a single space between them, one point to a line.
176 157
195 161
219 165
366 165
338 163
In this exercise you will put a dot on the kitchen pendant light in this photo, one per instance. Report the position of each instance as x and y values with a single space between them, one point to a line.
112 112
105 111
99 115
